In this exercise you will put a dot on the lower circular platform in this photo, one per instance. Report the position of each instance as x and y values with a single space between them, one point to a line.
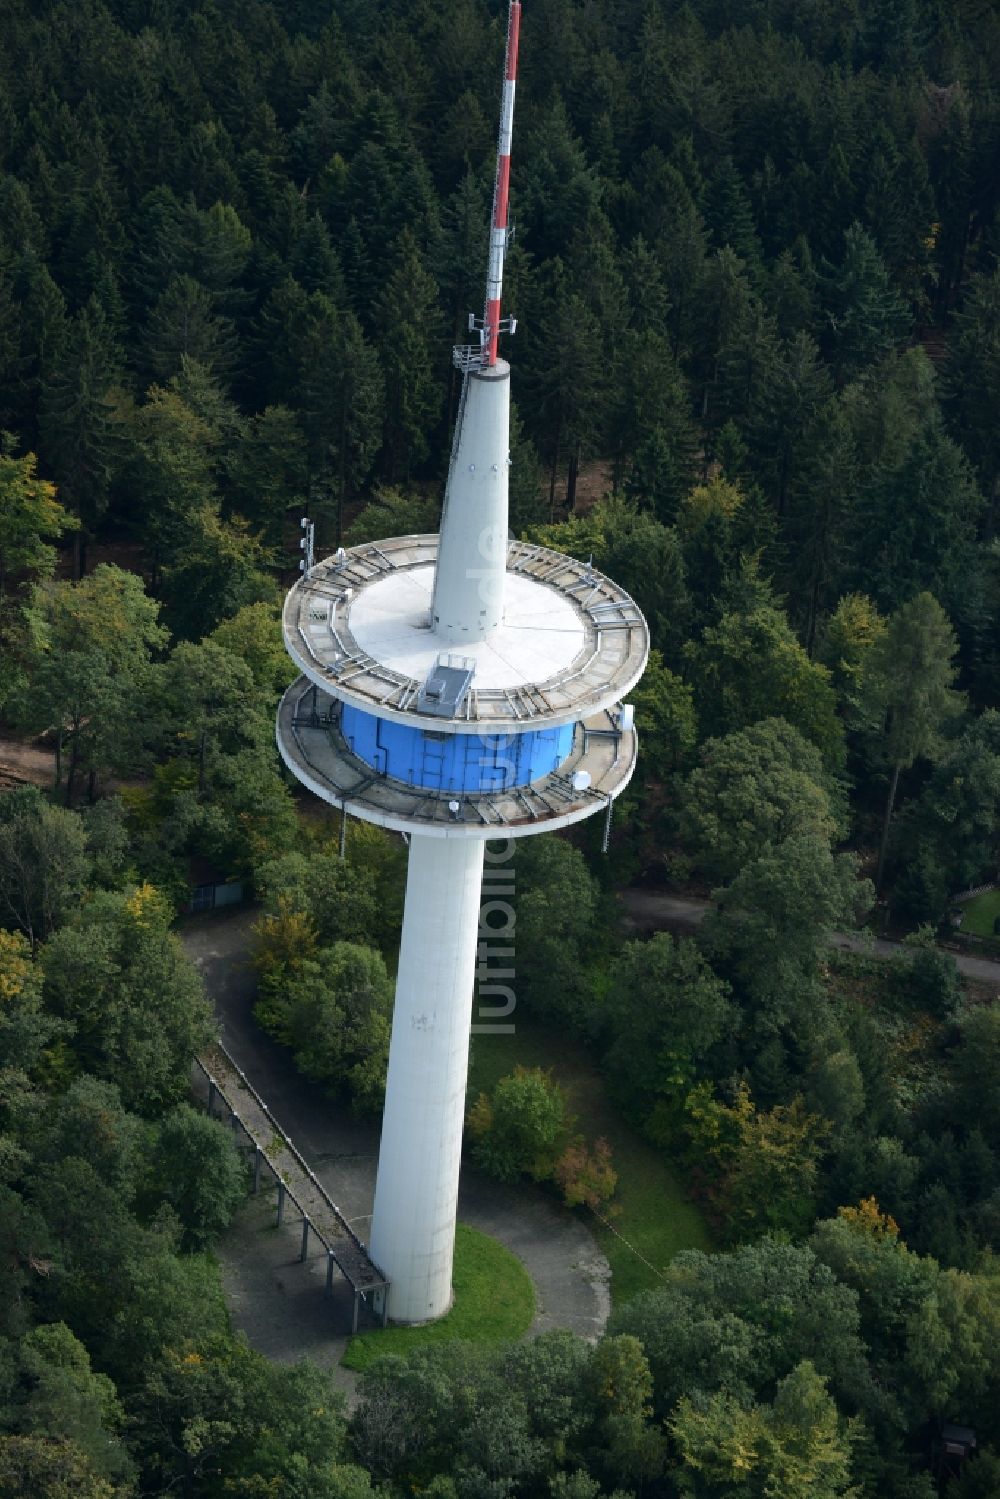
313 747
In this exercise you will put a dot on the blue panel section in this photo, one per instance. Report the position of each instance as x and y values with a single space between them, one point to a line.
455 762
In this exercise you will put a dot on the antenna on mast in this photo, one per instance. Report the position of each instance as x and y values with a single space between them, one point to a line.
492 324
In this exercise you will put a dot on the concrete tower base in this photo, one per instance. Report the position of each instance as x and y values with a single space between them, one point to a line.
416 1191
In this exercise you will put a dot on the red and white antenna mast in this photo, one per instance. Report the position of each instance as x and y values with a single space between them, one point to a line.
499 233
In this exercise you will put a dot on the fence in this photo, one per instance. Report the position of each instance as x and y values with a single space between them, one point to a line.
976 890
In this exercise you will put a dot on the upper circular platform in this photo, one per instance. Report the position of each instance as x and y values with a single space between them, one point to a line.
540 637
571 643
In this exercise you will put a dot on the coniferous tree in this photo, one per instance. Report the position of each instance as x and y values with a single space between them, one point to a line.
727 305
409 336
222 244
556 191
866 317
184 325
566 381
818 510
790 290
972 378
81 440
43 335
525 494
915 527
12 361
341 397
314 262
648 304
390 198
900 210
654 433
729 215
950 162
786 416
268 472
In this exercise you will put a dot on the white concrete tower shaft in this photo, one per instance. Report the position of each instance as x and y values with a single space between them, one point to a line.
416 1192
472 558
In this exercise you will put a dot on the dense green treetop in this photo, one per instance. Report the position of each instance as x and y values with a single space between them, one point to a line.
752 789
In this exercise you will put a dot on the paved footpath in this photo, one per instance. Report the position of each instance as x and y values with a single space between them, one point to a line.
278 1301
656 910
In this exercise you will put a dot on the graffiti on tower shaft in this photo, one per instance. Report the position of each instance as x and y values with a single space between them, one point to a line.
497 919
497 928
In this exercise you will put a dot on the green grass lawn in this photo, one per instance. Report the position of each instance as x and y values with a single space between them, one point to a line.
494 1303
979 913
654 1214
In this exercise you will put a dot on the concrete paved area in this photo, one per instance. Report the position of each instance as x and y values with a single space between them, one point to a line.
276 1300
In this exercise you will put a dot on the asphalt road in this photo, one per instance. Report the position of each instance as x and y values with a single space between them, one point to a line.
656 910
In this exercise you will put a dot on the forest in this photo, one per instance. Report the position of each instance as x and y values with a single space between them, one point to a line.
756 373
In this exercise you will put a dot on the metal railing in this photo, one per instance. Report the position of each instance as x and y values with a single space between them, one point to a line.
343 1248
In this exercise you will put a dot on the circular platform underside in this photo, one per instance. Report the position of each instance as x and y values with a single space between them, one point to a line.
572 643
315 751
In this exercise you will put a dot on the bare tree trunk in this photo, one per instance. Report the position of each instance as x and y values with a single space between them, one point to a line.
571 478
813 613
991 510
557 444
74 760
890 803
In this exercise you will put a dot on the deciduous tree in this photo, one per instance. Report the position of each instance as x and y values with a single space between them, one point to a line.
44 866
798 1447
198 1171
784 682
665 1016
138 1010
910 679
751 790
90 669
519 1128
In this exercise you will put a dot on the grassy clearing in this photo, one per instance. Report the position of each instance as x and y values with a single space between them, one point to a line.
494 1303
654 1214
979 914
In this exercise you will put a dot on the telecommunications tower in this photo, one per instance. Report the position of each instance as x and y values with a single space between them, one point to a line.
457 688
